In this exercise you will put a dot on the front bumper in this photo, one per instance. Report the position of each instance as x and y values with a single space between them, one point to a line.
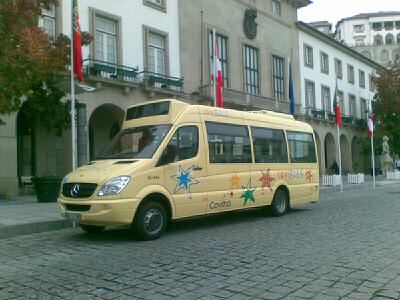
100 212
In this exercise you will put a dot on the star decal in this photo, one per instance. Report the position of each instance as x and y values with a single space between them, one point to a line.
235 179
184 180
248 194
309 176
266 180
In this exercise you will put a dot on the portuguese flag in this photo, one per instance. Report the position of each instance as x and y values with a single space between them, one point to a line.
336 108
77 42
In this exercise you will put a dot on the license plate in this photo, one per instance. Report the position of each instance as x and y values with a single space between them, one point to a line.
72 216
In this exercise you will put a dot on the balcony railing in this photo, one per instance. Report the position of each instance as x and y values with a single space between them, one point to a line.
321 114
242 99
115 72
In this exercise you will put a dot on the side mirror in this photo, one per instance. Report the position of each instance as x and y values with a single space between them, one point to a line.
168 155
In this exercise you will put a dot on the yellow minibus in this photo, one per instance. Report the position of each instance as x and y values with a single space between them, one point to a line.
173 160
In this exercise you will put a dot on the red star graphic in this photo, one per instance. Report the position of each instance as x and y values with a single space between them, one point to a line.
231 194
309 176
266 180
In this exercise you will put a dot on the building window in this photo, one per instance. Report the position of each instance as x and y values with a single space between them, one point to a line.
222 45
156 53
251 70
276 8
396 55
278 77
385 56
105 40
388 25
359 41
378 40
352 103
338 68
341 100
308 56
359 28
47 20
389 39
361 75
310 94
324 62
350 73
269 145
371 83
377 26
228 143
398 38
156 4
363 108
397 24
326 98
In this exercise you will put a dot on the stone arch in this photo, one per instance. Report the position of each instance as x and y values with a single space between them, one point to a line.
330 150
319 150
366 53
384 55
104 123
356 155
378 39
346 154
396 55
389 39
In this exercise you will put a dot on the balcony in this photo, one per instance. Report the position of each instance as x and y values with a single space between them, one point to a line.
328 116
109 72
242 100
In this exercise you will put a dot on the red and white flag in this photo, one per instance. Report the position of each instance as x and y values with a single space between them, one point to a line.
370 124
219 82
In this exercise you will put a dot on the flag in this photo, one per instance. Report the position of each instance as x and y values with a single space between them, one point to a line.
291 96
336 108
77 42
370 123
219 84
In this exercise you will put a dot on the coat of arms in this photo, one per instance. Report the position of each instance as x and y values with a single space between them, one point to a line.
249 23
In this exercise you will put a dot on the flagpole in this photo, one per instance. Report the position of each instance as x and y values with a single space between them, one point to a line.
373 159
340 158
73 133
214 68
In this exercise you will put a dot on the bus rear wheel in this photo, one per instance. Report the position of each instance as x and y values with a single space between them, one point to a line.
150 221
280 203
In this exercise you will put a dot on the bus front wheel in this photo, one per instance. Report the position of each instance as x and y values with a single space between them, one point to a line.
150 221
280 203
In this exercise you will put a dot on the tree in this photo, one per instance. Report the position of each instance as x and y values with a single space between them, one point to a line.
387 107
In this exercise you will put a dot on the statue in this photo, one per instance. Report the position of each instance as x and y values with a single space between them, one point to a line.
386 159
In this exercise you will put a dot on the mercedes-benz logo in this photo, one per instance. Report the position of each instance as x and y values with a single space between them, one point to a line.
75 190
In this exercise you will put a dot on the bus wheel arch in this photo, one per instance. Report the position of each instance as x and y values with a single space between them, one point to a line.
152 216
281 201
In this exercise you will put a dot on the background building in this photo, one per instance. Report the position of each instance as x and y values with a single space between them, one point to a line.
134 57
375 35
324 62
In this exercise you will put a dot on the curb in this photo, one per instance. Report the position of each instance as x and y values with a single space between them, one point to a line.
25 229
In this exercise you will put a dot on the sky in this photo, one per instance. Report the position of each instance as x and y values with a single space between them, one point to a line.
334 10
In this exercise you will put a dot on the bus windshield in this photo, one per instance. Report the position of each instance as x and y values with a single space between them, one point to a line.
137 142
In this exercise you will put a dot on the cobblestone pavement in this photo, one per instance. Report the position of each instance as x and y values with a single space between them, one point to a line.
345 247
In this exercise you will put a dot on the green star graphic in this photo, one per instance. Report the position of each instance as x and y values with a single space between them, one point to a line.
248 195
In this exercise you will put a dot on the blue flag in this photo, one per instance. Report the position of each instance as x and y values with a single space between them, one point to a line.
291 96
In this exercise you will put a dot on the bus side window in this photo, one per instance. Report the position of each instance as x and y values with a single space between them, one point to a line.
186 143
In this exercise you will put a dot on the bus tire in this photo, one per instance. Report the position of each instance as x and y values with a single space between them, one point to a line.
150 220
280 203
91 228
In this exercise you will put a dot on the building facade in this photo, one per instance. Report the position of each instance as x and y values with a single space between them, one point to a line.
326 65
375 35
256 42
134 57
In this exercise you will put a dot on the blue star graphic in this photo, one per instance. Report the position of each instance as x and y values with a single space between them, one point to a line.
184 180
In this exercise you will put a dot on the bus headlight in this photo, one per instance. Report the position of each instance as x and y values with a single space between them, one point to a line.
114 186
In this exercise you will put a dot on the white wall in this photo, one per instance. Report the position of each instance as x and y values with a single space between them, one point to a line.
320 78
134 14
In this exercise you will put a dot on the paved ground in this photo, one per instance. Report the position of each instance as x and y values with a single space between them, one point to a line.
347 246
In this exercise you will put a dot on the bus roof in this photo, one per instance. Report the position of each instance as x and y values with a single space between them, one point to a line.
153 114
